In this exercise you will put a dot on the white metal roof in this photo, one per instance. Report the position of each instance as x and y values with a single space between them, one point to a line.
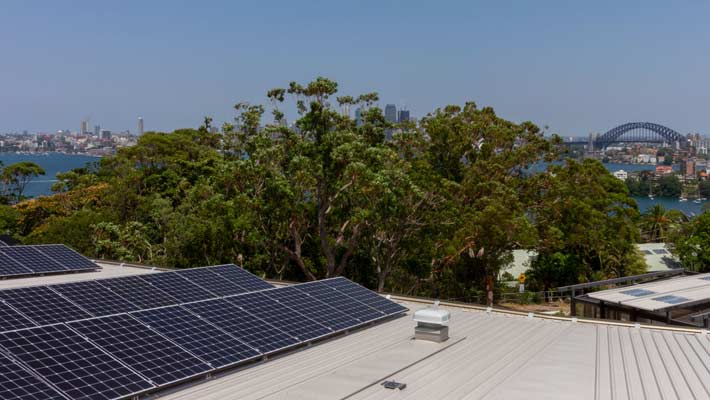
108 270
657 296
489 356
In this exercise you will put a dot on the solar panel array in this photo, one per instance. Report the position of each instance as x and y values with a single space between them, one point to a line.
41 259
115 338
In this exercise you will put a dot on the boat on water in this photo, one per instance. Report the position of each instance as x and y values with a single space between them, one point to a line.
682 200
697 201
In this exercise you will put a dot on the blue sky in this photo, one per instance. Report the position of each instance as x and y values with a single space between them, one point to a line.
577 67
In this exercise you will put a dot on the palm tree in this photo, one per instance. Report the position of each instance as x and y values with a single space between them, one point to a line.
657 222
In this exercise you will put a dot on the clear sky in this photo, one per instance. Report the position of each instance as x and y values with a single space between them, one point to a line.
576 66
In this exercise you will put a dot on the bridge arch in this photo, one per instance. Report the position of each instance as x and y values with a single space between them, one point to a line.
638 132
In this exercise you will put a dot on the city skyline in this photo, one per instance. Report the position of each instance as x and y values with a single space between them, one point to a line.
576 68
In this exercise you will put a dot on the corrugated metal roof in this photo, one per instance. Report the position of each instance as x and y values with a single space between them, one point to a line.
660 295
489 356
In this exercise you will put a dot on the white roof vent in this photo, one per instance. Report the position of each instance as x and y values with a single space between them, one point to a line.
432 325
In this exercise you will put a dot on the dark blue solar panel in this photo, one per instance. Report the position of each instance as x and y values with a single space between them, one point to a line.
10 267
279 315
139 292
251 330
141 348
32 259
11 319
197 335
638 292
71 363
94 298
707 278
16 383
366 296
341 302
211 281
671 299
241 277
67 257
178 287
313 308
42 305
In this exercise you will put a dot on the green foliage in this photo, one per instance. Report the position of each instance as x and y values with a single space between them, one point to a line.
704 189
436 211
692 243
657 223
15 177
669 186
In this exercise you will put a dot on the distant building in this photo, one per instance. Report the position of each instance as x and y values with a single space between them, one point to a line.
140 126
621 174
687 167
664 169
84 127
403 116
97 130
391 113
358 116
105 135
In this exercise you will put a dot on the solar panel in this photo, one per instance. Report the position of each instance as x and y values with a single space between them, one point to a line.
16 383
32 259
241 277
11 319
311 307
72 364
10 267
251 330
638 292
67 257
671 299
94 298
139 292
706 278
178 287
215 283
280 316
42 305
338 300
197 335
141 348
366 296
660 251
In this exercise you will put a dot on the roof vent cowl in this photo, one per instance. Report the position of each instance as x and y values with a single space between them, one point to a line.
432 325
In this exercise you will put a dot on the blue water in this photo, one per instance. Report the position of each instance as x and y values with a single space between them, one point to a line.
52 163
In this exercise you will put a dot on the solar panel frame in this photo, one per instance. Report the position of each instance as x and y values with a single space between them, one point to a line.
250 329
281 316
42 305
141 293
366 296
178 287
33 259
311 307
94 297
11 319
10 267
336 299
72 364
211 281
144 350
241 277
18 383
67 257
197 335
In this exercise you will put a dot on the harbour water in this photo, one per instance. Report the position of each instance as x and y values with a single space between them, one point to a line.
52 163
57 162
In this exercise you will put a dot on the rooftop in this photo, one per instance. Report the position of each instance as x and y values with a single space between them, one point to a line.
108 270
490 355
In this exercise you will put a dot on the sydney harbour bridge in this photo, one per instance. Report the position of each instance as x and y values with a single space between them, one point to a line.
634 132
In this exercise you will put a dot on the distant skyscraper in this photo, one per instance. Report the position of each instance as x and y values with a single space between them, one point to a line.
391 113
358 116
84 127
140 126
97 130
403 116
